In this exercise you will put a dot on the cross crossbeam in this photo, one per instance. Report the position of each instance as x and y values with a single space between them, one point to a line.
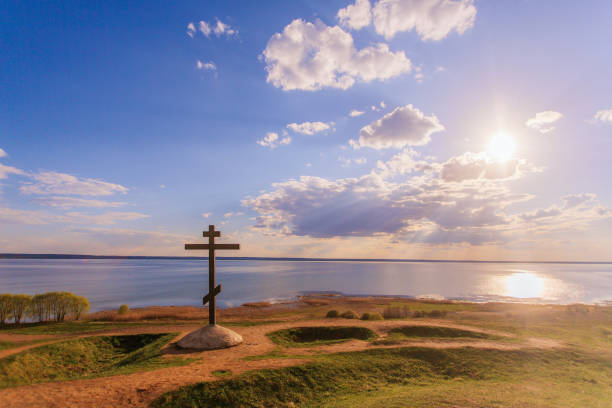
211 247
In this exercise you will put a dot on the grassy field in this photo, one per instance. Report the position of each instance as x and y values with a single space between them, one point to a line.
423 376
468 355
86 358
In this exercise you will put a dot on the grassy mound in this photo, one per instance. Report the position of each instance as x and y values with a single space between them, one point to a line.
426 377
437 332
309 336
87 357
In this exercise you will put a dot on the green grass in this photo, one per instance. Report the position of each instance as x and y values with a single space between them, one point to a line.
438 332
4 345
314 336
222 373
424 377
85 358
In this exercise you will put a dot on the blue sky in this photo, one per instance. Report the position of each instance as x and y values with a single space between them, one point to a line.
126 128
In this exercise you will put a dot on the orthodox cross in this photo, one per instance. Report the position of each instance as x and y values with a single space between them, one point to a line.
211 246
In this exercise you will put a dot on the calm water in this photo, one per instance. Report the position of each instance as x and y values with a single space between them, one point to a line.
109 283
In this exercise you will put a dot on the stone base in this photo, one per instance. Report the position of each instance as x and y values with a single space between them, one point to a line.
210 338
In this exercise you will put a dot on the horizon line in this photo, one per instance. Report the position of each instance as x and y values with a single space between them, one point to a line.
263 258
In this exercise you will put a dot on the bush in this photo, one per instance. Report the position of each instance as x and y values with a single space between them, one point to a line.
349 314
396 312
418 313
371 316
332 314
123 309
437 313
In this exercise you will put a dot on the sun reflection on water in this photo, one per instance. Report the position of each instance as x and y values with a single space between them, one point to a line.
523 284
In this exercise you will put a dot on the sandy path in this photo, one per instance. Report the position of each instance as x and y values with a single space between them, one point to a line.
139 389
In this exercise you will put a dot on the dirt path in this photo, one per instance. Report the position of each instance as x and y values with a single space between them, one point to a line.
139 389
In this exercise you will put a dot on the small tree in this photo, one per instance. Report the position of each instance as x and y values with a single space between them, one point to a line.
123 309
80 305
6 307
21 305
38 307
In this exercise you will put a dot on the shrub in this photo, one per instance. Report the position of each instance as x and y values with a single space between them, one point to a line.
332 314
123 309
396 312
418 313
437 313
349 314
365 316
372 316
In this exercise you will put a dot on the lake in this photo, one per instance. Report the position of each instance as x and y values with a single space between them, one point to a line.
108 283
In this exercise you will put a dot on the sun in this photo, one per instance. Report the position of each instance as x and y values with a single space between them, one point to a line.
502 147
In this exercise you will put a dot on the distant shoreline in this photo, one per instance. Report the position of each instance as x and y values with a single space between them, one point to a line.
252 258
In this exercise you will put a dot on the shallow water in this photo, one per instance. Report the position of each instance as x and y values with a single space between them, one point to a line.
146 282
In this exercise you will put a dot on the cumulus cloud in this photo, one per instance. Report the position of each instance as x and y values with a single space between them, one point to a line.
354 113
72 202
405 126
51 182
272 140
431 19
3 153
222 28
474 166
543 121
309 56
207 66
356 16
369 205
310 128
604 116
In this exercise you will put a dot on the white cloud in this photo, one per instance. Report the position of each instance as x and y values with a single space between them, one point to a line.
272 140
355 113
543 121
3 153
382 104
206 215
191 30
405 126
474 166
208 66
6 170
309 56
205 28
604 115
431 19
108 218
222 28
310 128
232 214
51 182
71 202
346 162
14 216
356 16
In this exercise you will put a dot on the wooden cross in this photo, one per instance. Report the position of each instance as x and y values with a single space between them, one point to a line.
211 246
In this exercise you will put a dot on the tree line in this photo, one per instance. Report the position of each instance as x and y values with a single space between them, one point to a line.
46 307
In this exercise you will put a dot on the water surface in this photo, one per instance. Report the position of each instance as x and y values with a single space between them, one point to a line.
109 283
